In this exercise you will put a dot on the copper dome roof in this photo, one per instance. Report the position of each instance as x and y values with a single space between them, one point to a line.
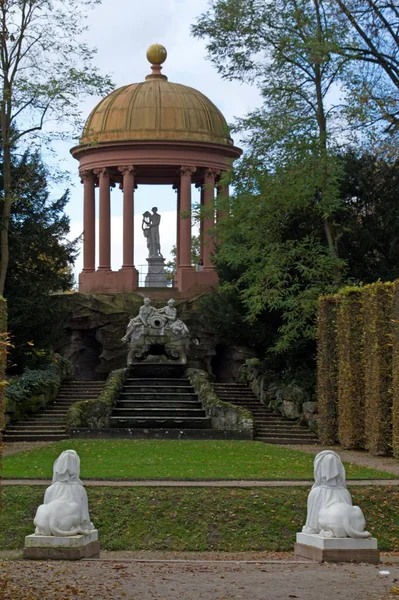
158 110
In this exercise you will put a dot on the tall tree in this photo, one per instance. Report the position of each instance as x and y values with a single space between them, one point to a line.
44 69
285 47
375 48
41 257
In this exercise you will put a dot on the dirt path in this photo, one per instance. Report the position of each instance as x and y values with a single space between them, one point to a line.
196 579
382 463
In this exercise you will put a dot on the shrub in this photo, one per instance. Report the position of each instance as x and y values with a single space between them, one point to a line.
377 357
34 389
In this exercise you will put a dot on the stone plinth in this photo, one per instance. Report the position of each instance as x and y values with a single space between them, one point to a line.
51 547
317 548
156 272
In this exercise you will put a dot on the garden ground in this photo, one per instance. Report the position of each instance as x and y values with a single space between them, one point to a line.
266 577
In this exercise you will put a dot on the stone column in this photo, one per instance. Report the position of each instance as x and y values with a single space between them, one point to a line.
128 216
209 219
89 221
177 190
105 221
185 223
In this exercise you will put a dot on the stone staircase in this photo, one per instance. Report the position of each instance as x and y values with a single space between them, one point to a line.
49 423
270 427
159 403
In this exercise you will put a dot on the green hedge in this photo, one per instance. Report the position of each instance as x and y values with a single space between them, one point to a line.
327 369
395 369
350 369
377 360
95 413
34 389
358 368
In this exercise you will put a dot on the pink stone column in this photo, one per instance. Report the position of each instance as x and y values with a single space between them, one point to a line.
104 221
209 220
128 216
177 190
89 221
185 222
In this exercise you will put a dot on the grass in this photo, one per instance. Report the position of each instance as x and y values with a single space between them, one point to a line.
142 459
185 519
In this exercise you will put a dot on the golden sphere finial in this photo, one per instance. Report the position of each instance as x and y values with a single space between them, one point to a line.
156 54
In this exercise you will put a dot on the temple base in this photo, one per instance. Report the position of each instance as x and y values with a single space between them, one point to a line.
320 549
109 282
51 547
190 281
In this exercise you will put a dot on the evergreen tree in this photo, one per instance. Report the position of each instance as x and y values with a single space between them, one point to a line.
40 257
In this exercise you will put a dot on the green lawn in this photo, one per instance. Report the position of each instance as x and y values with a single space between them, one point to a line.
186 519
138 459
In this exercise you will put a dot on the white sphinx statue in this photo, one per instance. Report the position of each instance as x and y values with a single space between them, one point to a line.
65 509
330 511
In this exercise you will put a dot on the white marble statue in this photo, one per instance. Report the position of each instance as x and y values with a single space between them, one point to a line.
172 322
135 328
150 227
65 509
330 511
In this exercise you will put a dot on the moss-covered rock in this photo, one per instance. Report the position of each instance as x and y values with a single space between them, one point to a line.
223 414
95 414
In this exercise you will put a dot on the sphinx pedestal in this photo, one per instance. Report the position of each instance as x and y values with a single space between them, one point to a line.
51 547
321 549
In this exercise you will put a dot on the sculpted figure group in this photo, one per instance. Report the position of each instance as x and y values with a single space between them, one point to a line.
166 315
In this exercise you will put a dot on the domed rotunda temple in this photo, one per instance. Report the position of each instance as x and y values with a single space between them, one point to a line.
160 133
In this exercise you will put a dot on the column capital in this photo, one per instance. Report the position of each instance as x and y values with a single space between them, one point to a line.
103 172
211 173
86 175
126 169
187 170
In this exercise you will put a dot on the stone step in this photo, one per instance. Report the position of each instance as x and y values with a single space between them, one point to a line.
159 396
34 437
156 389
161 412
33 429
158 404
151 422
283 440
157 381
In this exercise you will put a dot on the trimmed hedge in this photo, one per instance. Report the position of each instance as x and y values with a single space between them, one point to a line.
395 369
350 369
95 414
377 360
358 368
327 369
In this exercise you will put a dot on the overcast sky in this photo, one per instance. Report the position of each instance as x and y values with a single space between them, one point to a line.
122 30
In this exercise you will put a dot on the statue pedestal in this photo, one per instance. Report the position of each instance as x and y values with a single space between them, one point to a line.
156 272
321 549
51 547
